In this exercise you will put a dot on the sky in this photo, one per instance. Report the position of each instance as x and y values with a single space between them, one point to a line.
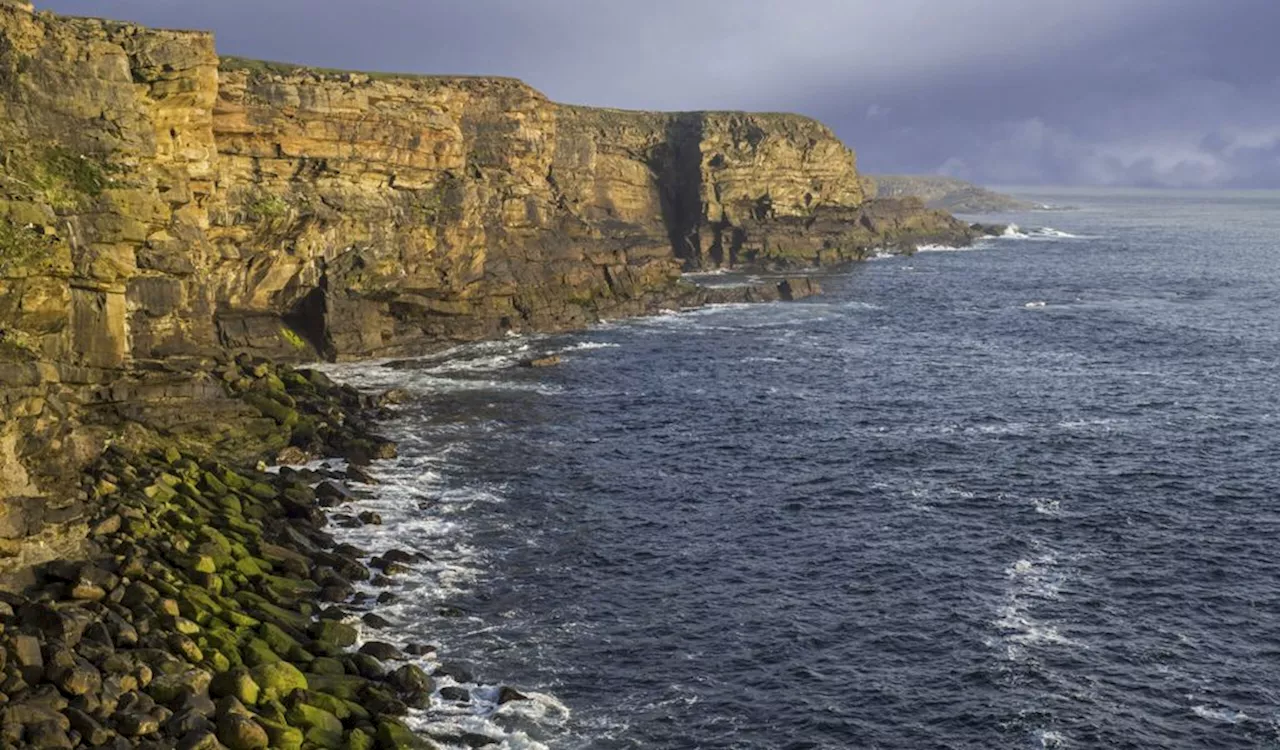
1166 93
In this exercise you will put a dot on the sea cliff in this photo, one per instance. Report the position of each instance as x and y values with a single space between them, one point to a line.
170 221
161 208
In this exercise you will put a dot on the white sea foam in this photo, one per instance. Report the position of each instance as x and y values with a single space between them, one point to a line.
431 373
1030 583
1220 715
1046 506
1015 232
709 274
586 346
420 508
1105 424
1037 577
483 363
997 428
443 378
1049 739
1050 232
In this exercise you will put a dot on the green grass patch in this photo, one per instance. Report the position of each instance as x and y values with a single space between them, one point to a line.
267 207
22 248
263 68
68 179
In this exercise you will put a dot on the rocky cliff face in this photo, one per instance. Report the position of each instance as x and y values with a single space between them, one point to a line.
382 214
161 208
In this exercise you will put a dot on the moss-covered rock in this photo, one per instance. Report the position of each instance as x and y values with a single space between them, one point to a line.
283 736
359 739
334 633
241 732
393 735
237 683
318 725
278 679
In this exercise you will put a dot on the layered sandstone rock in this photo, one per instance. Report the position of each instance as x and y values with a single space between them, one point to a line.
161 208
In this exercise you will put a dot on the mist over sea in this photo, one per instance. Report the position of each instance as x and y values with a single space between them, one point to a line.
1024 495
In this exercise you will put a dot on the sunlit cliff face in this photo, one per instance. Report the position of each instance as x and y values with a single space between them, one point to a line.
1123 92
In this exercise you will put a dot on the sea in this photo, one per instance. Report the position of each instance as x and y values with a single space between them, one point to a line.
1020 495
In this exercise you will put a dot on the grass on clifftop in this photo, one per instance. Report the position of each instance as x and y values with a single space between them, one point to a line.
271 67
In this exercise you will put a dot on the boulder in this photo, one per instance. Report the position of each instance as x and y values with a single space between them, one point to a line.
239 732
278 679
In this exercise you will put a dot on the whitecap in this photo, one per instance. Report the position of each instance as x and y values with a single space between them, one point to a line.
1046 506
1015 232
1052 233
941 249
1104 424
585 346
1030 582
1220 715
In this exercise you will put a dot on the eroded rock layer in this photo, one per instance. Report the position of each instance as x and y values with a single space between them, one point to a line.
161 209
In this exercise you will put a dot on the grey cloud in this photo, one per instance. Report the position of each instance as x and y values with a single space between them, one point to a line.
1086 91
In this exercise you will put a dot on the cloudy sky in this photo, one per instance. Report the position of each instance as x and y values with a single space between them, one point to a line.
1122 92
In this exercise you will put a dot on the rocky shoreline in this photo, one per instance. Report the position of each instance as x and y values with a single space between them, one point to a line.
212 608
163 210
211 615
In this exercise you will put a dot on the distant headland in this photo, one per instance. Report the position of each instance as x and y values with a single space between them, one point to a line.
950 194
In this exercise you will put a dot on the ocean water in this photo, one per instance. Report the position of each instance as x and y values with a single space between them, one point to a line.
1025 495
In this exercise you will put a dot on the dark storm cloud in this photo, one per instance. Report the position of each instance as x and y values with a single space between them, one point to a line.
1165 92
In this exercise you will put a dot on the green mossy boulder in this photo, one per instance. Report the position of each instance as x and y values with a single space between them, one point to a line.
326 665
347 687
278 679
319 726
392 735
334 633
256 652
282 736
237 683
239 732
282 643
358 739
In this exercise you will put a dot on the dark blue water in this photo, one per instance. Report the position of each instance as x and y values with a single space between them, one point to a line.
1022 496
